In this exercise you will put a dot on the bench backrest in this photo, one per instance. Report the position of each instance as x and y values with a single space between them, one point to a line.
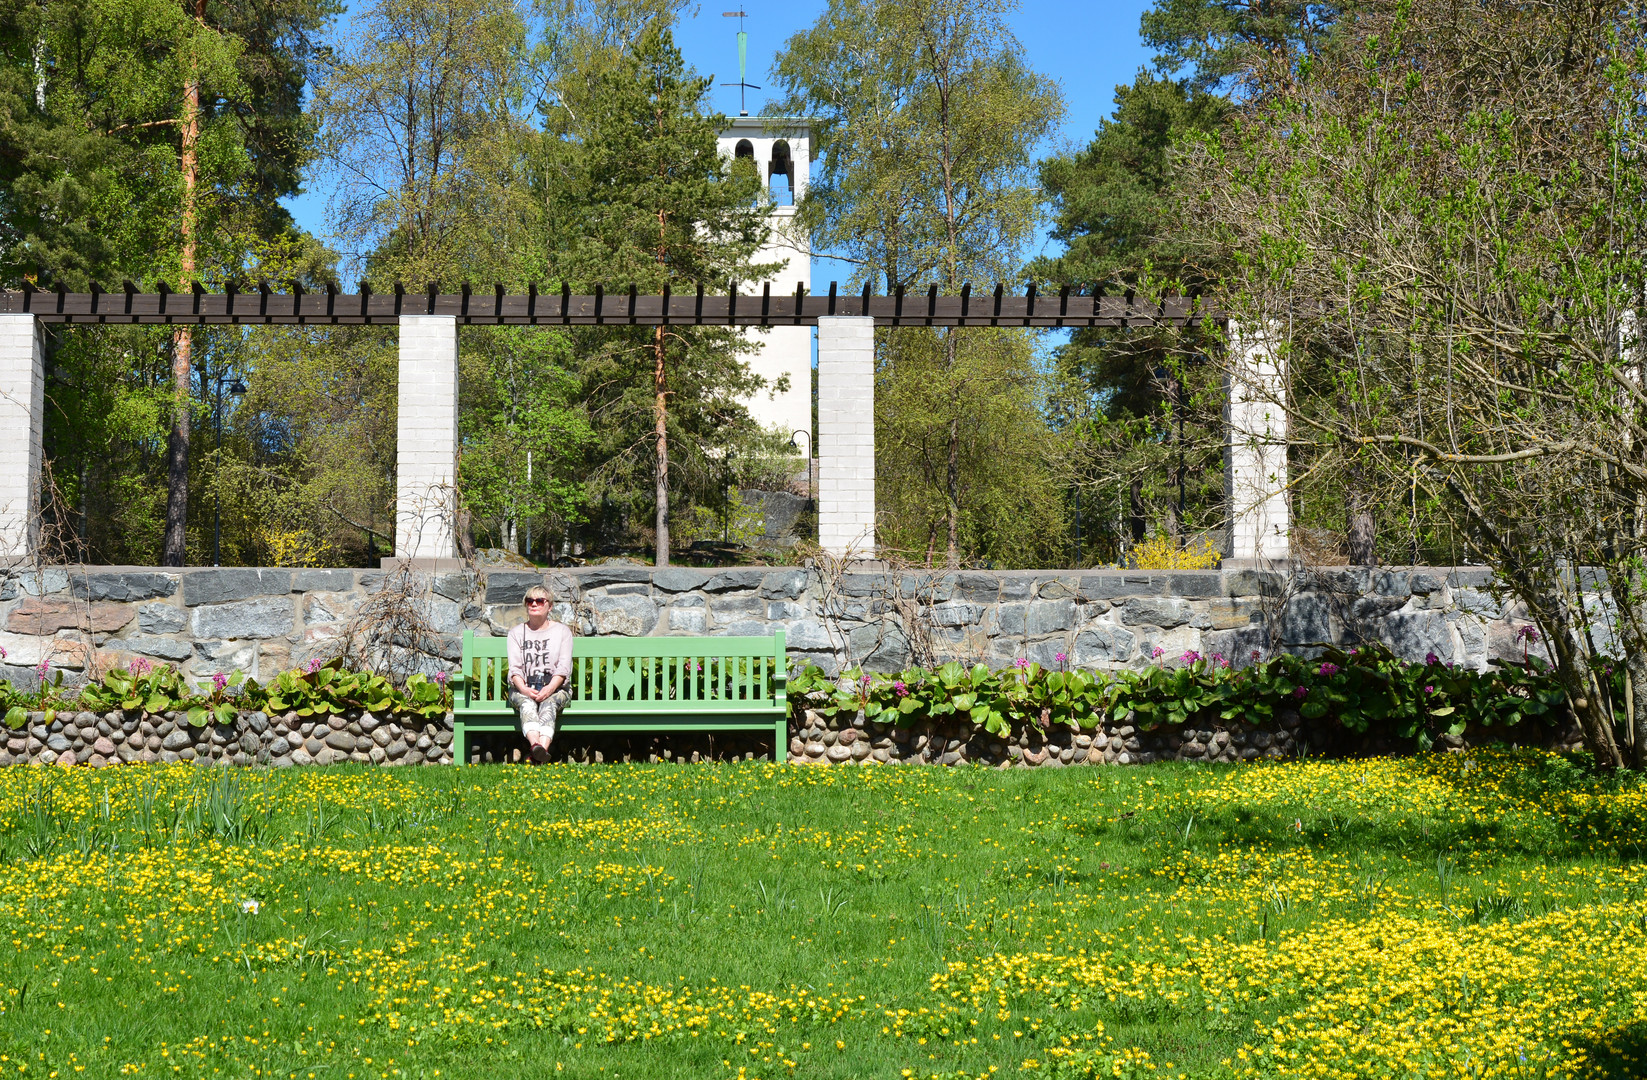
682 674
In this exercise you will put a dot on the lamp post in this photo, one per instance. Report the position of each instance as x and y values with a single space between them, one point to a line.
236 388
793 435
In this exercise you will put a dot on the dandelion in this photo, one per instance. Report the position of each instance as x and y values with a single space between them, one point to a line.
1329 669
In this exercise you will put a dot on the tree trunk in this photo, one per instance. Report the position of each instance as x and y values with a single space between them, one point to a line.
177 444
952 468
1137 510
660 416
1359 524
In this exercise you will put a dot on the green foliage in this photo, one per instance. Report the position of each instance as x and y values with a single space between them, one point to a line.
319 691
1366 690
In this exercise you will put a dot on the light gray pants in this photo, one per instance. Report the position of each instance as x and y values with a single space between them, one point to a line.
537 718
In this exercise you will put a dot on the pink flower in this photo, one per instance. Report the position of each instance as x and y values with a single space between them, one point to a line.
1300 692
140 666
1190 656
1527 633
313 665
41 669
1256 654
1329 669
1431 658
1061 658
2 652
1156 655
1429 689
900 688
219 681
441 677
1021 663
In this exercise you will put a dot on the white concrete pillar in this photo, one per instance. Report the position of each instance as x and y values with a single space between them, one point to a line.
427 434
846 434
1255 471
22 418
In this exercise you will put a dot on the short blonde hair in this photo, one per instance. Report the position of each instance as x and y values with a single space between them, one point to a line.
537 592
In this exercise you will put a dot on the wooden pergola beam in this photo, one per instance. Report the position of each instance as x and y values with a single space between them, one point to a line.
618 308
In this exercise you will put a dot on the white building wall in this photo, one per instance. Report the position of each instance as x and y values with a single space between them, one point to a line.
427 434
783 351
22 415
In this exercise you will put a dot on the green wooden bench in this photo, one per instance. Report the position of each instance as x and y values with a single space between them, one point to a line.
642 685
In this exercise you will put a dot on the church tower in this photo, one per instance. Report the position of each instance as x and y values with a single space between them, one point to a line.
781 147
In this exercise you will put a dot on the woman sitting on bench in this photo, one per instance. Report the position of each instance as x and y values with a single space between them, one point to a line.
540 662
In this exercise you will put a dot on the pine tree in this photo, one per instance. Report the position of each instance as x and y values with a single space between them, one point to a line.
652 203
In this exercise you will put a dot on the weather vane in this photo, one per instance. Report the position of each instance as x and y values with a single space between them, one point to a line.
743 62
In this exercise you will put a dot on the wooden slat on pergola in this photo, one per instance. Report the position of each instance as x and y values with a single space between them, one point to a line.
496 307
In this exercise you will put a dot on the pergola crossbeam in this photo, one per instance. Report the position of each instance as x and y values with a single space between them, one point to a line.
617 308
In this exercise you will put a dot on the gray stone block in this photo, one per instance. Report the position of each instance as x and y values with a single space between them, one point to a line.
150 645
595 577
1309 618
1166 612
179 739
1253 583
679 579
980 588
1238 644
509 586
267 617
882 646
118 586
1050 617
1011 620
1376 607
41 582
459 587
807 634
1195 583
1108 586
688 620
632 616
1472 577
783 585
745 628
224 584
161 618
956 613
323 581
1480 603
1412 635
1392 583
1102 643
730 580
1060 588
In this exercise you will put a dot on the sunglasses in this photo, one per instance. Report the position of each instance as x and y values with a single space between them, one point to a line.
535 600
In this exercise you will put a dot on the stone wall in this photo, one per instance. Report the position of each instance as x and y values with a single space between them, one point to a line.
283 740
264 620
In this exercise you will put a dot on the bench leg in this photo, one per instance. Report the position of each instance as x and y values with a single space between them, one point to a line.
780 741
460 744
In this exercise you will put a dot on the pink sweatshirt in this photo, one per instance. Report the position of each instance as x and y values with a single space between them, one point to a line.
547 651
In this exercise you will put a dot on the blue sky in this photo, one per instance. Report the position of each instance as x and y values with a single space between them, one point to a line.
1088 48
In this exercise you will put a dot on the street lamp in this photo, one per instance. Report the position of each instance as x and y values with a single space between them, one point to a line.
793 435
236 388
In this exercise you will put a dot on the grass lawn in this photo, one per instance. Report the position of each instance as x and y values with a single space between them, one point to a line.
1443 916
